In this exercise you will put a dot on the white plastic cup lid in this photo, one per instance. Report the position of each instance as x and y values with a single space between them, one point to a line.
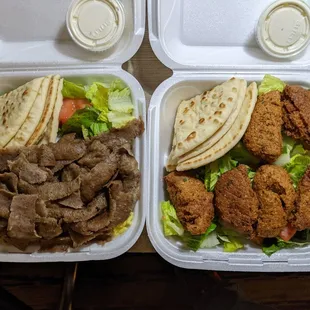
96 25
283 29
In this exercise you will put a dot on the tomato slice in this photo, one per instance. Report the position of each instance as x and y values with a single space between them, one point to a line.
69 106
287 233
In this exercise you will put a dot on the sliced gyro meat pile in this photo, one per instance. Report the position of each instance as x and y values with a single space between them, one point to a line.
74 191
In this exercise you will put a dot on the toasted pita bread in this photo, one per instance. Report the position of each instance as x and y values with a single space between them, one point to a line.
230 139
199 118
47 113
216 137
15 107
50 134
33 118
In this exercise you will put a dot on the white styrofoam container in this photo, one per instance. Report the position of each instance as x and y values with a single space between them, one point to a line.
34 42
206 42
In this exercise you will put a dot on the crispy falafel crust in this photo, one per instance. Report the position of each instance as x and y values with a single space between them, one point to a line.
263 136
193 204
235 200
297 113
302 216
277 197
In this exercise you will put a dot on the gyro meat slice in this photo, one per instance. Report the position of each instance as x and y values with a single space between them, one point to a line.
193 204
263 136
236 202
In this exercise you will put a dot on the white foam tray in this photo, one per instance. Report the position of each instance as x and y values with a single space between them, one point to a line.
199 63
38 45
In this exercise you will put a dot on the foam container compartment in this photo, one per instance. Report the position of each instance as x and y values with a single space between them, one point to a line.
38 45
208 45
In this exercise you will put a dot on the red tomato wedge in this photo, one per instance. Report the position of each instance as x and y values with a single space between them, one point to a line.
287 233
69 106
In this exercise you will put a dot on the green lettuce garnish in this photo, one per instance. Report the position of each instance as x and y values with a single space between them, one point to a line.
85 123
196 242
270 83
297 167
231 240
215 169
73 91
279 244
119 119
171 223
120 101
98 96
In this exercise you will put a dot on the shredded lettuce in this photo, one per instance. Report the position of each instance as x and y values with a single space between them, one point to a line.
297 167
98 96
171 223
85 123
243 156
196 242
215 169
279 244
120 101
72 90
231 240
121 228
119 119
270 83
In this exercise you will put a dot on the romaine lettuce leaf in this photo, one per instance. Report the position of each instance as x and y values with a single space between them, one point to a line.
171 223
85 123
98 96
121 228
119 119
297 167
270 83
120 101
73 91
231 240
195 242
84 117
279 244
215 169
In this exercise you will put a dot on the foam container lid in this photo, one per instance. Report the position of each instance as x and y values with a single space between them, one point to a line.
34 42
206 43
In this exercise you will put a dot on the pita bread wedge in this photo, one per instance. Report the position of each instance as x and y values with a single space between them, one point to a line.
33 118
15 107
48 110
216 137
230 139
50 134
199 118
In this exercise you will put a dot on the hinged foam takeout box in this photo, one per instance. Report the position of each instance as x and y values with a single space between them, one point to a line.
206 43
34 42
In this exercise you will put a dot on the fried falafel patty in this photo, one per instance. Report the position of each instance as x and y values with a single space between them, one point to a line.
263 136
276 196
297 113
302 215
235 200
193 204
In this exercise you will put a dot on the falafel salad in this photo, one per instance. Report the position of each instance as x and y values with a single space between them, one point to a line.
239 168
